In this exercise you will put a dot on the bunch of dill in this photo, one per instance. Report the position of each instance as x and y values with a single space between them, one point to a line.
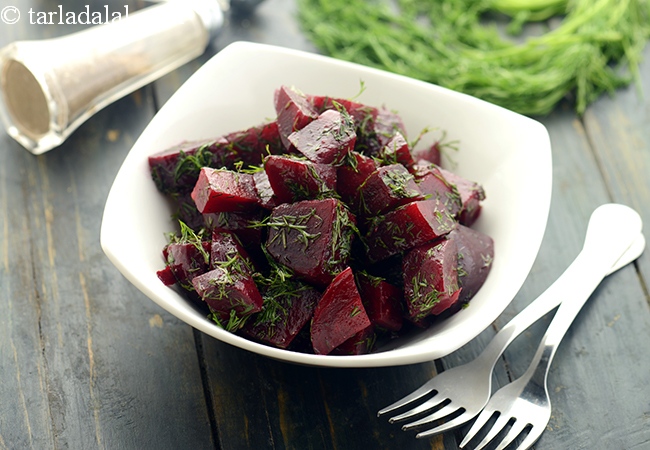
596 46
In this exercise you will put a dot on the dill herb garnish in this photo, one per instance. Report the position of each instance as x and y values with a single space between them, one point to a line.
343 232
191 163
285 224
189 236
596 48
398 182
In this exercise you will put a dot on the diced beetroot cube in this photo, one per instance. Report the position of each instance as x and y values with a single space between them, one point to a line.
387 123
397 151
406 227
339 315
430 154
268 199
327 139
387 188
227 252
221 190
432 183
166 276
184 209
250 146
175 170
240 223
350 177
225 291
363 115
295 179
312 237
286 310
475 256
382 300
324 102
430 278
186 260
471 196
294 112
359 344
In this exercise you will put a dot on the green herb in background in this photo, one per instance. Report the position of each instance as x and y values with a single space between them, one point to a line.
596 47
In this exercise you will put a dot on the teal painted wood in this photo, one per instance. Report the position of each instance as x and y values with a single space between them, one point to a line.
86 361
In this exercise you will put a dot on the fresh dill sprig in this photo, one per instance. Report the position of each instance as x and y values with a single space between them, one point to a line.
595 49
189 236
285 224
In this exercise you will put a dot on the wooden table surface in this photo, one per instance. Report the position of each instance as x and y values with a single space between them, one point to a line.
87 361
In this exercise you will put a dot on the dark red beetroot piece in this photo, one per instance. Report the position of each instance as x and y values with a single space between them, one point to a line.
312 237
374 126
327 139
185 260
294 112
387 188
350 177
228 288
432 183
288 307
471 196
363 115
185 211
382 300
175 170
249 147
228 292
295 179
406 227
431 154
222 190
240 223
227 252
397 151
430 278
339 315
268 199
387 123
359 344
475 256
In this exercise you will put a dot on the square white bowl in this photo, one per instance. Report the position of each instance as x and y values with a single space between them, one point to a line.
509 154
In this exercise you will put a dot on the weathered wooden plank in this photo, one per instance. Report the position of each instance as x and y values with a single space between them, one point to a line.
619 129
86 360
585 370
262 403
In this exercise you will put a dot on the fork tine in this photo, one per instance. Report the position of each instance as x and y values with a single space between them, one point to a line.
453 423
532 437
498 426
512 434
439 414
415 395
431 403
480 422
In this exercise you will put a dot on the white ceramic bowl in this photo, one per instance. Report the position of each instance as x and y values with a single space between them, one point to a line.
507 153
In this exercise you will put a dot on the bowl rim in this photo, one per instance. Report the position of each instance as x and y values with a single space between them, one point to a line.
109 234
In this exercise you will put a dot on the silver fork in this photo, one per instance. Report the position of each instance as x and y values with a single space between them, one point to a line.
525 404
463 391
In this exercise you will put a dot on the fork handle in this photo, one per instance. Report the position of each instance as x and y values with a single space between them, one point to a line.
611 231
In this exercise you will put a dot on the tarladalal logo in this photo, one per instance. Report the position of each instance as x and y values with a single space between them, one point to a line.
85 17
10 15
